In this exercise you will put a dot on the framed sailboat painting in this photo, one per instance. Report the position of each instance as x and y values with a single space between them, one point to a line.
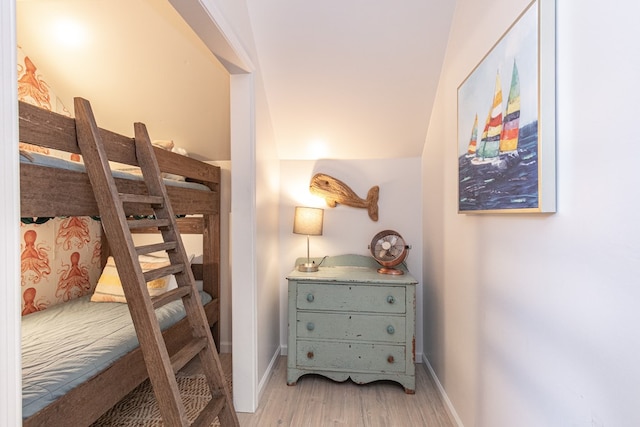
506 121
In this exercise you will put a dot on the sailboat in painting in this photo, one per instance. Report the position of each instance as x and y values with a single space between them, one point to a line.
499 140
473 140
511 123
489 147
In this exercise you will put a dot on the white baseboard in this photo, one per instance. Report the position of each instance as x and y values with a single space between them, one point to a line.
443 394
267 375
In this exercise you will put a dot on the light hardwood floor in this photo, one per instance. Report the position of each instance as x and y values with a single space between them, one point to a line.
316 401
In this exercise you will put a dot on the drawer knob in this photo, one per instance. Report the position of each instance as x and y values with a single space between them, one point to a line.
310 326
310 355
390 359
310 297
391 330
391 299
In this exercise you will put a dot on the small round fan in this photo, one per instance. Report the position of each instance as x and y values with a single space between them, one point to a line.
389 249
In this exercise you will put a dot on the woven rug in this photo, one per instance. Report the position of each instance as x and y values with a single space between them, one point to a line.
139 408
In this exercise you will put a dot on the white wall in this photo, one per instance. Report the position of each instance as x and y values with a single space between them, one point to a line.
10 372
255 282
349 230
535 319
267 285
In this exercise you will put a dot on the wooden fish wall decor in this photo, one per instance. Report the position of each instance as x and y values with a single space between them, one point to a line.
335 191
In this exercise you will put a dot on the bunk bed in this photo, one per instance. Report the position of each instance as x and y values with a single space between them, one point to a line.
53 190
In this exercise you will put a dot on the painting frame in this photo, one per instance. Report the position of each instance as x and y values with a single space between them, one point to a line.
507 164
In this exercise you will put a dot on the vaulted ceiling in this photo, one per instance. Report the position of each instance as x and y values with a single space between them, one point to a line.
343 79
350 79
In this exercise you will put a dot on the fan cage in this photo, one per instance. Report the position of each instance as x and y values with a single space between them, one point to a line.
389 264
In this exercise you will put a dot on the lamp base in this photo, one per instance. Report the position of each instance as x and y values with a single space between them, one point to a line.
308 267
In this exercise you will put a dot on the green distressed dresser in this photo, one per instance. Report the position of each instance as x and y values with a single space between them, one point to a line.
349 321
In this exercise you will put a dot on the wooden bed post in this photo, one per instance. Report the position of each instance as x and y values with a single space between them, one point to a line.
211 264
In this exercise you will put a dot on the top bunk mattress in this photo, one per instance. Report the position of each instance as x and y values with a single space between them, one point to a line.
67 344
58 163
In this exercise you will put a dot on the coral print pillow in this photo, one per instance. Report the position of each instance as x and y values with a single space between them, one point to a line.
60 260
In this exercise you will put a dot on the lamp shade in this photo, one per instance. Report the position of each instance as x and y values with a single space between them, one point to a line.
308 221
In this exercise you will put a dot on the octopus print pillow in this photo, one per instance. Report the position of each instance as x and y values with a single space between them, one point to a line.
109 287
60 260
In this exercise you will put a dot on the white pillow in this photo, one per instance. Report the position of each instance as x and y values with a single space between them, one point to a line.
109 287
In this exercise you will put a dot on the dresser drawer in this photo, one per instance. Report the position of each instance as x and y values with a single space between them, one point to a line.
355 357
347 297
351 327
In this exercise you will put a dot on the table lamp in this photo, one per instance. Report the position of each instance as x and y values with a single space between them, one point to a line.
308 221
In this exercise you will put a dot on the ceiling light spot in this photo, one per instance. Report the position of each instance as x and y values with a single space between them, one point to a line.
318 149
70 33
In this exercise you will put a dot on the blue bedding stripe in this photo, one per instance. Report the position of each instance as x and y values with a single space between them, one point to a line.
67 344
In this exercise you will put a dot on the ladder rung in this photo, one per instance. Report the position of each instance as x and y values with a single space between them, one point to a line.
156 247
142 198
148 223
163 271
210 412
187 353
170 296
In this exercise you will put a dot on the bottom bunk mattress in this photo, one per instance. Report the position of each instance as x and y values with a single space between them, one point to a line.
67 344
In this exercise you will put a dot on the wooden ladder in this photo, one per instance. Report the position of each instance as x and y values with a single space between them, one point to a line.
160 367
